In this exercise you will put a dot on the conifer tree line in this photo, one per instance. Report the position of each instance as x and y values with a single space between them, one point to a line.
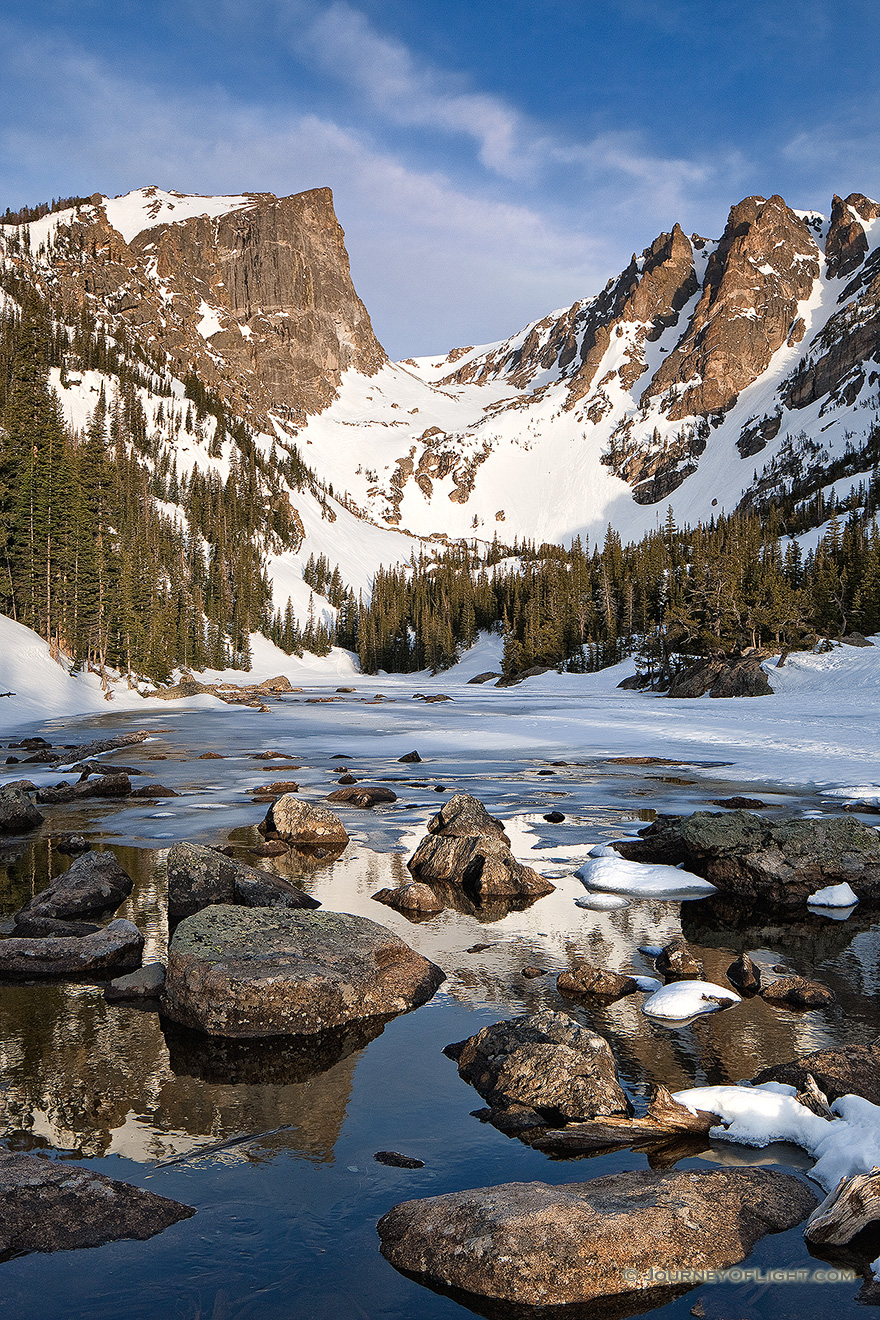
677 594
87 557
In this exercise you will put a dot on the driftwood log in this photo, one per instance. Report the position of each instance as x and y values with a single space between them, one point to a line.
664 1118
852 1206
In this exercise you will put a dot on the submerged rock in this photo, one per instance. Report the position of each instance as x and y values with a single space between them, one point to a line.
275 972
144 984
300 822
414 897
51 1205
116 948
744 975
545 1062
365 796
94 883
540 1245
778 862
17 813
797 992
585 981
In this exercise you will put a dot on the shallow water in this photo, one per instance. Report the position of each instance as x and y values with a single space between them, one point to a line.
286 1218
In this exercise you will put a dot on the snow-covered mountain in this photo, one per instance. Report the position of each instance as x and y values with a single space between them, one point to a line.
708 373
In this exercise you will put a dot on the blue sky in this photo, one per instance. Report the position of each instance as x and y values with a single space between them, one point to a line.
490 162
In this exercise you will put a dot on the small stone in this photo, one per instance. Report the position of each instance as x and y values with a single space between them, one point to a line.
397 1161
585 981
410 758
146 983
414 897
531 972
365 796
676 962
744 975
554 817
71 845
797 992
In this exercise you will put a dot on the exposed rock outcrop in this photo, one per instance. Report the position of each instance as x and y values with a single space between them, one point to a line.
777 862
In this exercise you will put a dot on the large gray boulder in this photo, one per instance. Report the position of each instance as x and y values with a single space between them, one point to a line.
198 876
779 862
300 822
94 883
482 865
17 813
463 816
539 1245
117 948
51 1205
273 972
545 1062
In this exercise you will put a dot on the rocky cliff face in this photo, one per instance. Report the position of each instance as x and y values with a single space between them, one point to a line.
257 301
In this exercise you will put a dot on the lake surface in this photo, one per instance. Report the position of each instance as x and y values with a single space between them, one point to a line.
286 1217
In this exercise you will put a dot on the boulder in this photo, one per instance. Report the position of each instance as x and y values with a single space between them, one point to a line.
93 884
540 1245
546 1062
198 876
414 897
779 862
17 813
411 758
676 962
300 822
485 676
274 972
52 1205
103 786
846 1070
144 984
585 981
464 816
116 948
365 796
797 992
484 867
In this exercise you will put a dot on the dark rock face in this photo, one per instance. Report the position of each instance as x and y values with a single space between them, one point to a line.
766 262
199 876
777 862
847 245
362 797
546 1062
585 981
95 883
849 1070
301 822
464 816
740 677
273 972
277 273
17 813
797 992
483 866
116 948
51 1205
537 1245
410 758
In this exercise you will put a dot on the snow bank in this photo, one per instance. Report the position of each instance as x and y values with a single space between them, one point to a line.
759 1115
687 999
616 876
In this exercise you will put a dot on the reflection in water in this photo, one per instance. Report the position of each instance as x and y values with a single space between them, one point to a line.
85 1079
